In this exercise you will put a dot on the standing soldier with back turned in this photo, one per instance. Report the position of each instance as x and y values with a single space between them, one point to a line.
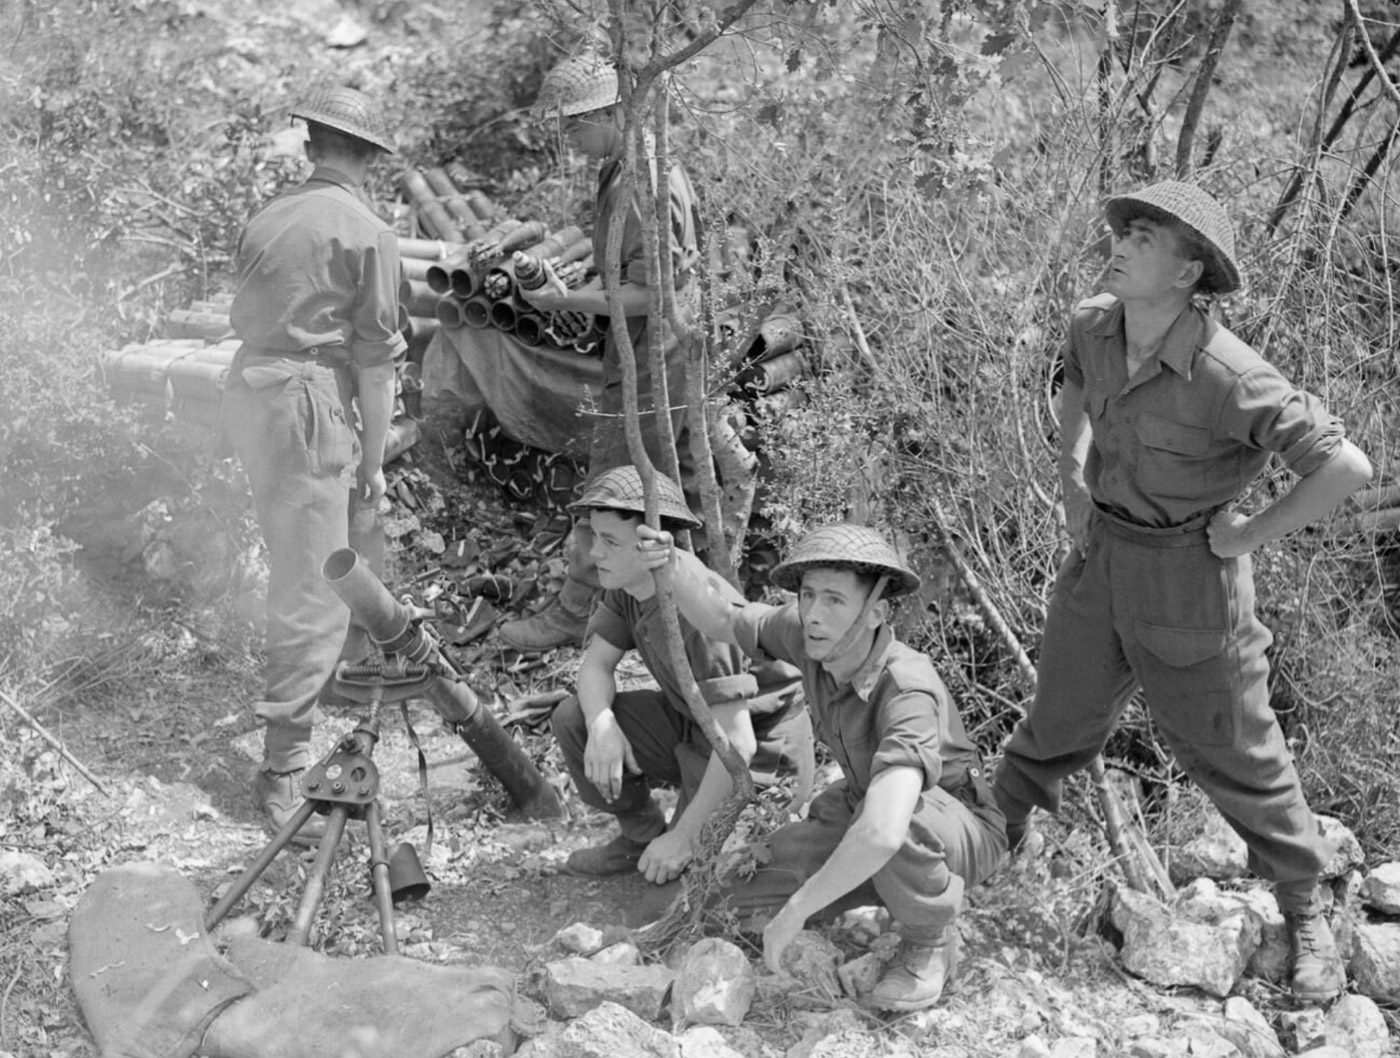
1168 418
317 311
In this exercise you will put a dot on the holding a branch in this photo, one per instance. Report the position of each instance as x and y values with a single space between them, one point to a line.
617 744
911 823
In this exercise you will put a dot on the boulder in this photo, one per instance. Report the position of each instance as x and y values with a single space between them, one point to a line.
579 939
1270 960
1249 1030
623 953
1216 852
714 986
606 1031
1346 849
1157 1047
860 975
1033 1047
1202 1041
705 1041
1375 961
1356 1025
573 987
811 960
1303 1029
1200 941
1075 1047
21 872
1381 889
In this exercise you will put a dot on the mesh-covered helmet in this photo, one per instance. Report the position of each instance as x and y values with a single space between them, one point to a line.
1191 207
349 111
846 546
577 86
620 489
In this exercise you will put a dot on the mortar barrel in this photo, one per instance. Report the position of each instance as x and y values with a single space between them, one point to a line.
506 311
530 328
420 299
456 206
448 312
195 380
439 274
414 267
465 280
476 312
775 374
482 206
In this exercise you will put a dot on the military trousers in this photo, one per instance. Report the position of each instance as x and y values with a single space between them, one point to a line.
1157 608
289 421
954 842
670 750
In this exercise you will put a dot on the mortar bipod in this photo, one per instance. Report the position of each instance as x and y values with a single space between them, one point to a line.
343 786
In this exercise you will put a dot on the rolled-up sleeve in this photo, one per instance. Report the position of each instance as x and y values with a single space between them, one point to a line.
376 337
908 727
1266 411
769 633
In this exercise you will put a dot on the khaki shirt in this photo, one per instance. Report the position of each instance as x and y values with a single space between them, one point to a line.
317 269
1197 424
894 712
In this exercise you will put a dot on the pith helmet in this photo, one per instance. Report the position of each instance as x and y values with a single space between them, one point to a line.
577 86
846 546
620 489
1187 205
347 111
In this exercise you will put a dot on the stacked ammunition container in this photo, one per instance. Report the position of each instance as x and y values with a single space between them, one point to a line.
182 376
476 285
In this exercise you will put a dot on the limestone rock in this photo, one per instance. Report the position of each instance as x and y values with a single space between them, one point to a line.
580 939
1347 850
623 953
1217 852
709 1041
1327 1052
1136 1025
823 1027
1201 940
606 1031
1205 1042
864 924
715 985
1270 960
1356 1025
811 960
572 987
1249 1030
860 975
21 872
1303 1029
1381 889
1075 1047
1156 1047
1375 961
1033 1047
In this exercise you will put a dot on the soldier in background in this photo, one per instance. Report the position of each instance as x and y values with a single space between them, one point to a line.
317 311
580 97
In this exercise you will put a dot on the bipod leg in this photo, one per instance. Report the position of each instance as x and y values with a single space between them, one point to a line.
255 869
379 873
316 879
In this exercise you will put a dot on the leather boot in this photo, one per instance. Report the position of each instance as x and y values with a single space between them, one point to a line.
617 856
915 977
550 628
1318 973
278 794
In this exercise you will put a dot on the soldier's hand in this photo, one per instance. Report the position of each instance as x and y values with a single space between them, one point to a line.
553 296
1229 535
371 485
656 546
780 933
666 857
606 754
1078 510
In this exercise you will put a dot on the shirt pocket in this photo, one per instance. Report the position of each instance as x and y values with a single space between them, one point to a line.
1174 458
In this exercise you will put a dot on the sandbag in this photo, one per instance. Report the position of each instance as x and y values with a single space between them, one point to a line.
147 978
309 1005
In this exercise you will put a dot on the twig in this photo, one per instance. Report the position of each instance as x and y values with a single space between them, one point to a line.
1354 10
164 274
859 331
5 999
55 743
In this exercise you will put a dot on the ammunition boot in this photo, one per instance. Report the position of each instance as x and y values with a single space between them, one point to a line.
1318 973
916 976
552 627
617 856
278 795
